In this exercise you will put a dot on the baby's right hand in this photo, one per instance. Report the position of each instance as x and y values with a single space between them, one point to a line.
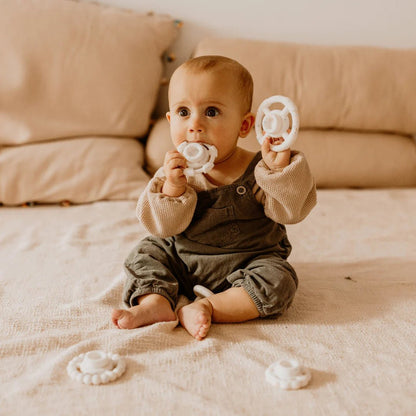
174 165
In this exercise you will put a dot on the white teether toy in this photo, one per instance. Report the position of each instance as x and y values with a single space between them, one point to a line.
200 157
202 292
96 367
288 375
275 123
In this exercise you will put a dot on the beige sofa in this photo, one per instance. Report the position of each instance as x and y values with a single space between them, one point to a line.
356 111
77 91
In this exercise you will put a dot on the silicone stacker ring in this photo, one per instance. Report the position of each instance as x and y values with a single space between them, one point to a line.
275 123
96 367
200 157
288 375
202 292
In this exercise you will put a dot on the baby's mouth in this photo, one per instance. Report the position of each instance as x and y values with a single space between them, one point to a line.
196 138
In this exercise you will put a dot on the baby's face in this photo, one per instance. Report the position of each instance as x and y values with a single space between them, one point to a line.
205 107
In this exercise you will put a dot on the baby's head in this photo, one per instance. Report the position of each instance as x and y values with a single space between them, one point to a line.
223 68
210 100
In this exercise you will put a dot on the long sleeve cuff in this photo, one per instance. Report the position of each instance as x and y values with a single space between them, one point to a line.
290 193
162 215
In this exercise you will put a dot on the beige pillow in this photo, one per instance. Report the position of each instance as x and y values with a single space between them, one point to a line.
77 69
337 158
364 160
354 88
78 170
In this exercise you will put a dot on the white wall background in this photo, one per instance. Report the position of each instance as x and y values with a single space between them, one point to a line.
389 23
385 23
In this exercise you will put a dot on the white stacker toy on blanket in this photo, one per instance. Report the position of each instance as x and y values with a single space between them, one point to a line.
288 374
96 367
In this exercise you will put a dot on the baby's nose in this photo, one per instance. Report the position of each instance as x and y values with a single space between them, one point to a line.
195 125
195 130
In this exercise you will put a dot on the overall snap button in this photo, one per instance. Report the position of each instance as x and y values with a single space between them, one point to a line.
241 190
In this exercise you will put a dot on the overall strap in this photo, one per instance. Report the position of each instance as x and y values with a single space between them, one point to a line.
248 176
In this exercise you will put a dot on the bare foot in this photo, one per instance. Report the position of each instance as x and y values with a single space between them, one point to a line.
196 318
152 308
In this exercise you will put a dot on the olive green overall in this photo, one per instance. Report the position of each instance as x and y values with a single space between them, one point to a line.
229 243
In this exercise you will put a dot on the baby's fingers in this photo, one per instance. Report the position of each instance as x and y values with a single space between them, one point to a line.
173 159
176 163
265 146
172 154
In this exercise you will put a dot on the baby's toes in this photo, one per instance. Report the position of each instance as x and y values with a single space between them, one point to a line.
202 333
120 318
203 326
115 315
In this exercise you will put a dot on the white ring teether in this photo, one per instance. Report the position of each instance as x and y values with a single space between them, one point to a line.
288 375
275 123
202 292
96 367
200 157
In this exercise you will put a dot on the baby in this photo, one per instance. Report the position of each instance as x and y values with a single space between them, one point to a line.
222 229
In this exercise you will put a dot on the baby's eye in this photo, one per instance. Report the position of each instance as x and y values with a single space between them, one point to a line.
183 112
212 112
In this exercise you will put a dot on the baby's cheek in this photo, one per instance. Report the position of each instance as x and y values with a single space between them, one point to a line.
176 133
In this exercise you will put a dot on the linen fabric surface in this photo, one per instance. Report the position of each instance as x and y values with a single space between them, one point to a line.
351 322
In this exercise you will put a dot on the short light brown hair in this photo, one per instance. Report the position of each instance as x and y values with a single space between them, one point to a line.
216 63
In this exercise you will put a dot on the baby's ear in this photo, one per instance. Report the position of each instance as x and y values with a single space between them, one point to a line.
168 116
247 124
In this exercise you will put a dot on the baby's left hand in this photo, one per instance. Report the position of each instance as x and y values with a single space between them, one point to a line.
274 160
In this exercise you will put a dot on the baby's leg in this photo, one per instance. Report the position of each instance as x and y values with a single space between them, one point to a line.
232 305
150 272
150 309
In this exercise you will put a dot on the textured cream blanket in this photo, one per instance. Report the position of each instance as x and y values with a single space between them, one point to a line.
352 321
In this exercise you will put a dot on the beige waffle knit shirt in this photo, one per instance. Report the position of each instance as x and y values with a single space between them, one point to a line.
288 195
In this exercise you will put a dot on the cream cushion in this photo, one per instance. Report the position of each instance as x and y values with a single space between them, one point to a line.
336 158
356 105
78 82
77 170
77 69
338 87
